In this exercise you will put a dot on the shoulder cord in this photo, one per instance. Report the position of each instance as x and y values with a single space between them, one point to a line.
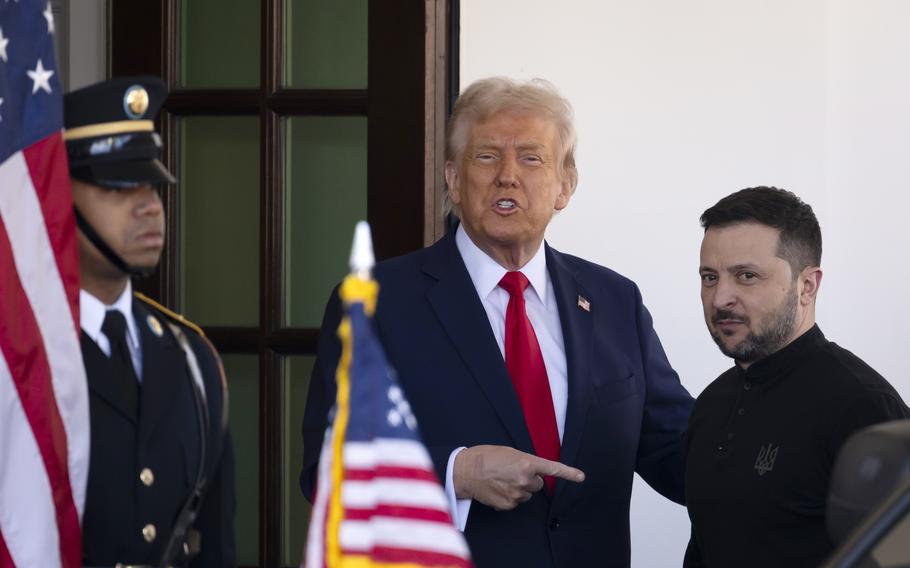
178 548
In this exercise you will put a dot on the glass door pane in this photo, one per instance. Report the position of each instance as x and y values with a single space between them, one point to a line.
325 195
219 219
219 44
296 379
325 44
243 391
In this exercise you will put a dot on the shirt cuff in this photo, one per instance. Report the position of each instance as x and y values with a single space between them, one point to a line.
458 508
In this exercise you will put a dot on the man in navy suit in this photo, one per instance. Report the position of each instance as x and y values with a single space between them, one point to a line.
537 379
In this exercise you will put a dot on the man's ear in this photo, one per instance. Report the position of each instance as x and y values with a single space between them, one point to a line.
452 182
565 193
810 279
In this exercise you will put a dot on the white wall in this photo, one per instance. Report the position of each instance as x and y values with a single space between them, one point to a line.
81 40
88 42
680 103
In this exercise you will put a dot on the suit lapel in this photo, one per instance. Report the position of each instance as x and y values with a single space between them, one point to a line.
577 332
163 371
101 379
461 314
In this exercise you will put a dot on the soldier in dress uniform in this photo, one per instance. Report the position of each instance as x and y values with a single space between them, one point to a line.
161 476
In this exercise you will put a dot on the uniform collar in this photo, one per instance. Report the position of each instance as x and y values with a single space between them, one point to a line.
486 273
92 312
784 359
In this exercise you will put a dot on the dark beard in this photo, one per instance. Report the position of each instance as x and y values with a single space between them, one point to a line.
759 346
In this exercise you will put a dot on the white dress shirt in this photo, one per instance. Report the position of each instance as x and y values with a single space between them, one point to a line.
540 303
91 317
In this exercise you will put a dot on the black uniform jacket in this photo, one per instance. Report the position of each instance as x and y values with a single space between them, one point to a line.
143 468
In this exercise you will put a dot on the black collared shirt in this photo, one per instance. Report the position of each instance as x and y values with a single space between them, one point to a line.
761 446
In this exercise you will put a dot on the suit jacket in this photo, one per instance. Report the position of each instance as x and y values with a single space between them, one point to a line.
626 408
164 438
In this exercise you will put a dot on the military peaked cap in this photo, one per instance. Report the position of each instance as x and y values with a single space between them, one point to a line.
110 133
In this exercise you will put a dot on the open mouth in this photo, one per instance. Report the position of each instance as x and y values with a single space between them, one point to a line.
506 204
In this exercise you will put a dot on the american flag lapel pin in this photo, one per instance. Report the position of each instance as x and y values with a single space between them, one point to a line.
583 303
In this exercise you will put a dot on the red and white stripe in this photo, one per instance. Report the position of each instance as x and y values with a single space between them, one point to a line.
44 415
394 508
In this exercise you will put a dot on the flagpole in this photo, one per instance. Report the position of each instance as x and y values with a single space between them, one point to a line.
378 503
357 287
362 259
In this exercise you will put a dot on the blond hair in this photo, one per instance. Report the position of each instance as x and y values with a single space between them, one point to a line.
486 97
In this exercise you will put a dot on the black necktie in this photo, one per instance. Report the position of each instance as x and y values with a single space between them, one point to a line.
114 327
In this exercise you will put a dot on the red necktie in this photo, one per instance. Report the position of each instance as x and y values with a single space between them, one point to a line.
529 375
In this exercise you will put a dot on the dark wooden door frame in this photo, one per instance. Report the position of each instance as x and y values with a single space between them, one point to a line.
411 82
411 66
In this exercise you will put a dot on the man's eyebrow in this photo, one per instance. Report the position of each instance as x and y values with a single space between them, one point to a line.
734 268
530 144
743 266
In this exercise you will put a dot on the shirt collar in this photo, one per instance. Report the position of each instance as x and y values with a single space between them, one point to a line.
92 312
486 273
777 363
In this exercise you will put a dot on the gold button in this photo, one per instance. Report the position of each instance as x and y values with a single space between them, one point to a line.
147 477
149 533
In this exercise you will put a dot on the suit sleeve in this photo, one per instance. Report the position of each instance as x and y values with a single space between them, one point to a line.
321 394
667 407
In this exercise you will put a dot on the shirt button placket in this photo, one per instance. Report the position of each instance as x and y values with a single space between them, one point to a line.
724 444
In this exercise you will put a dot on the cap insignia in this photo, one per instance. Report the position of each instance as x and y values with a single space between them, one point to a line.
135 101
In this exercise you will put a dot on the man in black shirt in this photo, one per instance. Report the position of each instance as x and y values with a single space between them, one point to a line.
763 436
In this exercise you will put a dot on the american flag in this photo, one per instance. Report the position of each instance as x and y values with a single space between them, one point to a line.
44 423
378 502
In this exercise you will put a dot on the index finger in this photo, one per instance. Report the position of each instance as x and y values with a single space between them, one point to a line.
557 469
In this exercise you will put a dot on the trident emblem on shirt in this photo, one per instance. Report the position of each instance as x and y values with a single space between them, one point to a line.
766 456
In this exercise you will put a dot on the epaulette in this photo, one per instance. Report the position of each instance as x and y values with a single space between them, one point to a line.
169 313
